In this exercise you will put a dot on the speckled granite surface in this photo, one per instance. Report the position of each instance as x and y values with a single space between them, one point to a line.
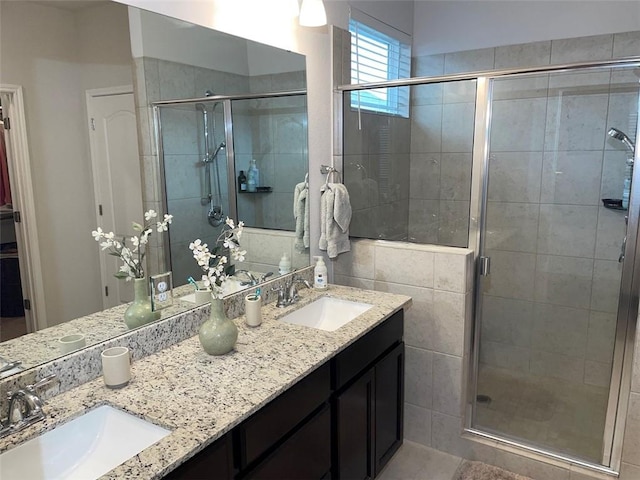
200 397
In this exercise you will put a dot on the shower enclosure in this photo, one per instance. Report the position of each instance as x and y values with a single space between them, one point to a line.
530 168
204 143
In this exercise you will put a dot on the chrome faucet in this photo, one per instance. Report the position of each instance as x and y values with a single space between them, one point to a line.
253 281
288 292
25 407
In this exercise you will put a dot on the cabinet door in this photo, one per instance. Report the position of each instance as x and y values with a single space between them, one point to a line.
214 463
389 402
354 433
305 456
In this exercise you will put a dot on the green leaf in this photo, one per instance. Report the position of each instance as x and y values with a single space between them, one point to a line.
137 227
121 275
114 254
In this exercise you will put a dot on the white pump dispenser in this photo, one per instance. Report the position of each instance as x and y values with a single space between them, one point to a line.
285 265
320 274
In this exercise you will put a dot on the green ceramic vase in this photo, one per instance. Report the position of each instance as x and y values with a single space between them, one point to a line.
139 312
218 334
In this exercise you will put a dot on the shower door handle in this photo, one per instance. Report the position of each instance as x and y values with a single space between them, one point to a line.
622 249
485 266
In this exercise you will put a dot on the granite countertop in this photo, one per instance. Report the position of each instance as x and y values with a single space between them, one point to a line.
201 397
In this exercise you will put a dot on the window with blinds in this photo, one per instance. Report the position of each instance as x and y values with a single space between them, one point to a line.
375 57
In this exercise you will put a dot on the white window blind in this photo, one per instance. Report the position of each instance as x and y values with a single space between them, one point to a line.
375 57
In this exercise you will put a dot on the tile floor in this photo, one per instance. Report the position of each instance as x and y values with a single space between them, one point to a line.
417 462
564 416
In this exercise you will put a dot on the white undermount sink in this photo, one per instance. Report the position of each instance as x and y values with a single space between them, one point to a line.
326 313
84 448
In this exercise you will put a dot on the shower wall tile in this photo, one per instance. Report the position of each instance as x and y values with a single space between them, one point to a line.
581 49
427 65
528 87
597 374
455 176
152 80
515 176
606 285
404 265
188 218
447 384
505 356
418 388
447 330
181 131
623 115
424 221
559 329
469 61
507 321
512 226
567 230
613 174
546 364
563 280
571 177
626 45
450 271
523 55
454 223
177 80
206 79
629 471
518 125
428 94
462 91
579 83
457 127
139 86
184 169
576 122
417 424
424 176
511 275
150 184
601 337
426 129
610 233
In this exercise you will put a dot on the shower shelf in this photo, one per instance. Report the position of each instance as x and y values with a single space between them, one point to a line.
259 190
613 204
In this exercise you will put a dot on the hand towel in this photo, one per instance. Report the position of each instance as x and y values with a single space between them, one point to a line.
335 217
301 215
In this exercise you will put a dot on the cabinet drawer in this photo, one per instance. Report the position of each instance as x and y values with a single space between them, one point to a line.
306 455
266 427
356 358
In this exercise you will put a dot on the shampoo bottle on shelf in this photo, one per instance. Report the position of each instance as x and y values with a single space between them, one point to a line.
253 176
320 274
242 182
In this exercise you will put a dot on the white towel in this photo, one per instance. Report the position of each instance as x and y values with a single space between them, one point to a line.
335 216
301 215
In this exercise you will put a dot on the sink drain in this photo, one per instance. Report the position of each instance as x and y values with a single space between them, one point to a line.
484 399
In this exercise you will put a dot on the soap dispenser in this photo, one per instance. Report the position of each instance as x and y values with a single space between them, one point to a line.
284 266
320 274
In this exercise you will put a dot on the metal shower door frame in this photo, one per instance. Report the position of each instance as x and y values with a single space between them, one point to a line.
620 383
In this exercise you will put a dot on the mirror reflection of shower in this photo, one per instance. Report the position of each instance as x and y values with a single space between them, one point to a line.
215 214
622 137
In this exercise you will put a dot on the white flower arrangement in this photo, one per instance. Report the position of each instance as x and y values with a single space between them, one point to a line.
214 264
132 257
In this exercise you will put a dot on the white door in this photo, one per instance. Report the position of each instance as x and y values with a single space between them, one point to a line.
117 180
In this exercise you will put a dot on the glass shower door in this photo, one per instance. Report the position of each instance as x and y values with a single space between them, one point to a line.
554 226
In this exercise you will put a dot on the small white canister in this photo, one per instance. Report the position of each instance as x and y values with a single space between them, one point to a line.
253 310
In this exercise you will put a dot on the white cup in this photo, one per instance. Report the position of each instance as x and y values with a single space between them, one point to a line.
116 367
203 295
253 310
71 343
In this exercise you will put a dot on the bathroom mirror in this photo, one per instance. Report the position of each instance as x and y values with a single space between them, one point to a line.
102 62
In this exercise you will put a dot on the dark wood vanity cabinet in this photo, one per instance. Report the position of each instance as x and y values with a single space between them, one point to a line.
342 421
369 408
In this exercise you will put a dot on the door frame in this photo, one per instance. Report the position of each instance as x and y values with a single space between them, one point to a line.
22 191
90 95
620 384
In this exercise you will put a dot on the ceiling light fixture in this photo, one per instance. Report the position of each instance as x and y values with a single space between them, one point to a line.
312 13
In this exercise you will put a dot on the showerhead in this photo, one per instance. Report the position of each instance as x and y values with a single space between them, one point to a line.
209 93
220 147
622 137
